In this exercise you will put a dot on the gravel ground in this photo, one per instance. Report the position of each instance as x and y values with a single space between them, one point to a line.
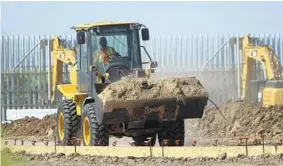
87 160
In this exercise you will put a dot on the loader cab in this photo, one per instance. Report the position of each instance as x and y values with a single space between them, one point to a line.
123 37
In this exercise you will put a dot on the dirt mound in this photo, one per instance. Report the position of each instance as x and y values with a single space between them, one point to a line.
31 126
242 119
133 89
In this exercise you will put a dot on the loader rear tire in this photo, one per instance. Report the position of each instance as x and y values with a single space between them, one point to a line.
172 134
140 140
67 122
93 134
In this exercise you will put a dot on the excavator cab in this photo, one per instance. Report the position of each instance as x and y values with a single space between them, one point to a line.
126 60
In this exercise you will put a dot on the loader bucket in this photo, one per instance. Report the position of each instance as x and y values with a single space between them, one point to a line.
189 107
172 97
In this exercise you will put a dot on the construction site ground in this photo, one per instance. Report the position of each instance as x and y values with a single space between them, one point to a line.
238 122
241 120
75 159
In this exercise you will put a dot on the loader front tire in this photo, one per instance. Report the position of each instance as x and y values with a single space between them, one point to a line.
177 132
93 134
67 122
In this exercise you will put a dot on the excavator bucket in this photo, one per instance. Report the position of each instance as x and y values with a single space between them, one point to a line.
170 98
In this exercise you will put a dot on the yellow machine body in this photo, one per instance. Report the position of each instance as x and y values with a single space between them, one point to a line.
81 109
273 93
102 23
63 55
254 51
272 96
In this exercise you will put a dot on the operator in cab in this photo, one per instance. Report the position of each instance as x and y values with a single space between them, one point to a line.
102 56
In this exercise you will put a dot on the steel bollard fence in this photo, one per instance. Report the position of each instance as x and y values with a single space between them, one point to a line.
263 150
55 144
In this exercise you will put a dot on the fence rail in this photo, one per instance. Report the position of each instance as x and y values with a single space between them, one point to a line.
26 64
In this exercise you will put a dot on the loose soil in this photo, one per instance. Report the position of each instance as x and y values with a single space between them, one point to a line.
77 159
241 120
132 89
31 126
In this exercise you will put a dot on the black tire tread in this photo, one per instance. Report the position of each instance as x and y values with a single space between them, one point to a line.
99 132
71 121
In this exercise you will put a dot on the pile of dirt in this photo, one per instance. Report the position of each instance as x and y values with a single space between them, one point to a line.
242 120
138 88
31 126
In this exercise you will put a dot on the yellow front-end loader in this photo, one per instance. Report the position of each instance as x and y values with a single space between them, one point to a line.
84 115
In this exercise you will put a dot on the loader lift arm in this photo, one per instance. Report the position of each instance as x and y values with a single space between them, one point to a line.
255 50
61 55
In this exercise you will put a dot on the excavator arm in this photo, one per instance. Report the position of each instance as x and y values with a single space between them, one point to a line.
254 50
62 55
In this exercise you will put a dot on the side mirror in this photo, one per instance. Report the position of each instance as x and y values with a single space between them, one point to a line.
145 34
81 38
153 64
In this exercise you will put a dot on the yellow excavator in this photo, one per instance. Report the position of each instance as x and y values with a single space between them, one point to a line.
81 112
270 90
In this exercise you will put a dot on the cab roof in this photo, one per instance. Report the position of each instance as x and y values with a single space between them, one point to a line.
103 23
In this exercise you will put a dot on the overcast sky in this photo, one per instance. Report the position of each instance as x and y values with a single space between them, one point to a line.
39 18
